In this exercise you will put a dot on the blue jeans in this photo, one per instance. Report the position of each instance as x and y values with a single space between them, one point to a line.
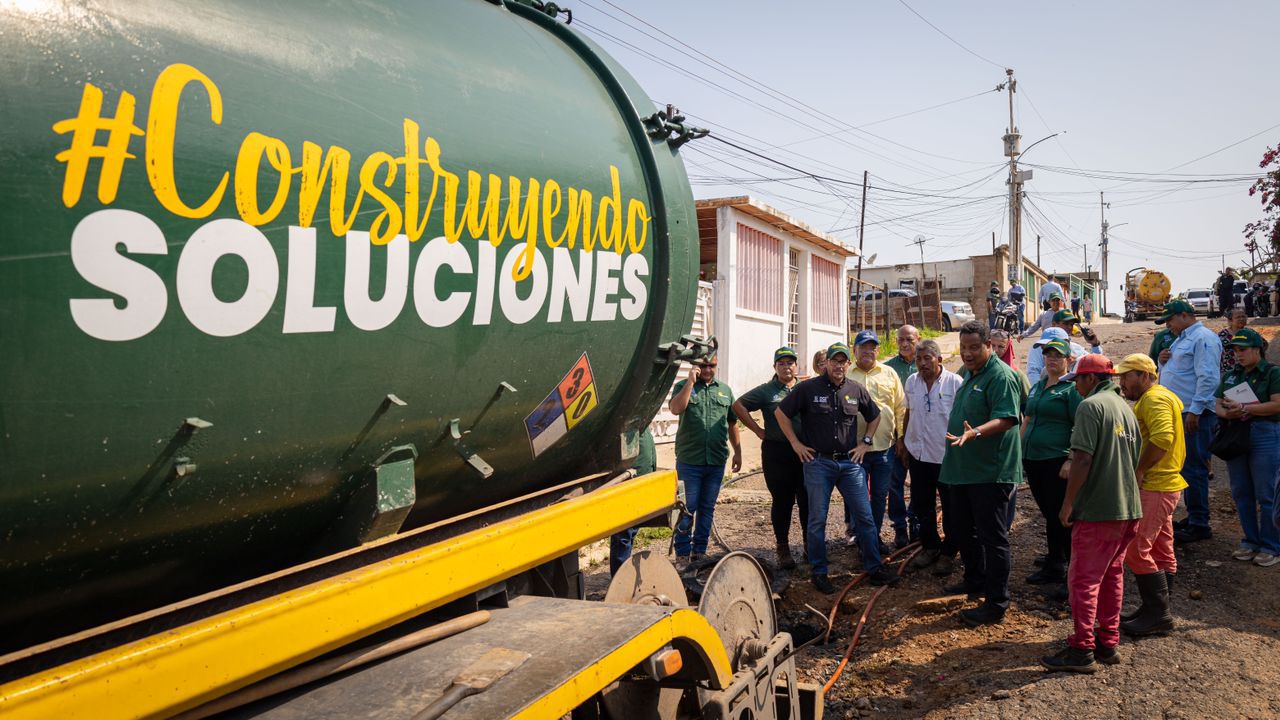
701 488
1253 487
882 474
1196 473
821 475
1275 507
1022 317
620 548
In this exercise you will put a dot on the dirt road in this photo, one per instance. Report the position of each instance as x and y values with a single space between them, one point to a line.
1223 660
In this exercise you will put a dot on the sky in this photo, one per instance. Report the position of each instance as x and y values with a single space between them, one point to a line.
1145 97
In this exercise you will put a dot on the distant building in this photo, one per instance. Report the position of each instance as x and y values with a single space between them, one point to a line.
767 280
965 279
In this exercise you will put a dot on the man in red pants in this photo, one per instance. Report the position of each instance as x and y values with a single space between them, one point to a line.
1102 507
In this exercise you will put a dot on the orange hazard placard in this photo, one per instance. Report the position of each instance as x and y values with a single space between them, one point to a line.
576 382
569 404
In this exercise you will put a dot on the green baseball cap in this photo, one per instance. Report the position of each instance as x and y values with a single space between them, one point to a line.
1065 316
784 352
1062 346
839 349
1174 307
1246 338
1055 296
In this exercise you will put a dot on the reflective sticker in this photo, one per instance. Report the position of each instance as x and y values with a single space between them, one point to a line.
570 403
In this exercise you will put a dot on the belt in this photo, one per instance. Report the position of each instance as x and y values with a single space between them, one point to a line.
833 455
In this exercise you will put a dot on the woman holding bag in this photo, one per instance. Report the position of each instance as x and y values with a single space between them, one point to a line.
1253 472
1050 410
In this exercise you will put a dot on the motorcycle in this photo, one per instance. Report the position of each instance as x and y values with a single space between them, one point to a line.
1261 295
1007 316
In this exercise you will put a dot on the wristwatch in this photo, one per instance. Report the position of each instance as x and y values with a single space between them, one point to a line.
866 439
977 432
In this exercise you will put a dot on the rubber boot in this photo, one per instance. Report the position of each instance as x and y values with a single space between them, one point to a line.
1127 616
1154 617
1136 612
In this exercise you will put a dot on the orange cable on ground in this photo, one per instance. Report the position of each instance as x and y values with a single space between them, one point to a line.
866 612
855 582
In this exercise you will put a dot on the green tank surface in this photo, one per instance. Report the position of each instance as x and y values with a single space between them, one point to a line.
281 278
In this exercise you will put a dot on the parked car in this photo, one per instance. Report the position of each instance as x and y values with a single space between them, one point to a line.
1203 301
1238 290
955 314
893 293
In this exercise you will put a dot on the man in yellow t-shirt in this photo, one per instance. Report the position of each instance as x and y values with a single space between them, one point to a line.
1164 449
886 389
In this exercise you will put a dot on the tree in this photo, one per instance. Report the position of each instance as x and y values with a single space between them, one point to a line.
1267 229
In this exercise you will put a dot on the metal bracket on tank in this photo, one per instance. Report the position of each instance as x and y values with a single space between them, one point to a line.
688 349
669 124
550 9
472 459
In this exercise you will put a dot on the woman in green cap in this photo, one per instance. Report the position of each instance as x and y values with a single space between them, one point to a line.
1049 413
1251 392
783 471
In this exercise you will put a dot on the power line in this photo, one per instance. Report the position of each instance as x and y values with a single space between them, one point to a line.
945 35
744 79
888 119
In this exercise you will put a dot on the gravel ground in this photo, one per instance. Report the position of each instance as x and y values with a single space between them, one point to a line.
917 660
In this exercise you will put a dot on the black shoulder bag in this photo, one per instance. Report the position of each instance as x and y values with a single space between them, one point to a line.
1230 439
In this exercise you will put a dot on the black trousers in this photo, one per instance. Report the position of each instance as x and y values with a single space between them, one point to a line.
980 522
924 487
784 476
1049 490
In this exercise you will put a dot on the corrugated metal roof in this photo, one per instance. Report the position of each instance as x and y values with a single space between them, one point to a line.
775 218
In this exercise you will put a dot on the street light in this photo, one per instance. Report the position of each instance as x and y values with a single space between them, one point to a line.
1024 152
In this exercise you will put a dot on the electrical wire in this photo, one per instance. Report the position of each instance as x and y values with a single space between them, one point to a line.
752 83
957 43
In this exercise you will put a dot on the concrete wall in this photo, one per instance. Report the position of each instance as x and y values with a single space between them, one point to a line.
748 338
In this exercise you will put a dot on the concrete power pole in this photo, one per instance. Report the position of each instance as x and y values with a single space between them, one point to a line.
862 226
1103 244
1012 147
919 242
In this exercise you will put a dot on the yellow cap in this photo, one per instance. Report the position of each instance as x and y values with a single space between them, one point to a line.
1137 361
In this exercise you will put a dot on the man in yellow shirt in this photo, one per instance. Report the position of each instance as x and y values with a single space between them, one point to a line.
1164 449
886 389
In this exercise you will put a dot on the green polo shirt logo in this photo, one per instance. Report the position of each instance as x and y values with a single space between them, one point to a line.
994 392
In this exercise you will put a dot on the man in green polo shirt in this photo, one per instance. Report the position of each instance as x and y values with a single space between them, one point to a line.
702 440
783 471
981 470
1102 507
1160 344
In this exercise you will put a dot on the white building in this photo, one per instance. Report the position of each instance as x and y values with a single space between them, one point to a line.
767 280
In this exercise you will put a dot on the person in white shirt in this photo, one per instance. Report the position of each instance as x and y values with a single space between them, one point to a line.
930 392
1045 321
1047 290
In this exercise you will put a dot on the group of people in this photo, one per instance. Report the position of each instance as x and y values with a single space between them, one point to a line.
1260 299
1080 306
1106 476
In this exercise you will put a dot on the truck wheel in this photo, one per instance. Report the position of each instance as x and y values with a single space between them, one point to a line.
946 323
